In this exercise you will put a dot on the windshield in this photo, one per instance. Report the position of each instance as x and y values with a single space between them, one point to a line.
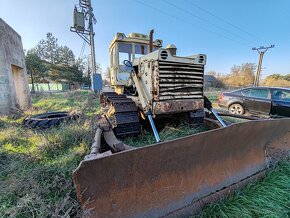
125 53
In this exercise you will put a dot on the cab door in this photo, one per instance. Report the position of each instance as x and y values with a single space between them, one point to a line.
258 101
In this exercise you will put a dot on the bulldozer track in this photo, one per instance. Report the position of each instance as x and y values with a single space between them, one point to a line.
122 113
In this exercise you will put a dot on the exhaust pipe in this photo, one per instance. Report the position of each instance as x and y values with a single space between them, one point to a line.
151 40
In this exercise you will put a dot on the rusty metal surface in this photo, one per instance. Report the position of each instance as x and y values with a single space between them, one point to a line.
179 80
239 116
157 180
177 106
113 142
195 207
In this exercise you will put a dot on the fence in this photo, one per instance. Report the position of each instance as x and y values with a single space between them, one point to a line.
49 87
214 93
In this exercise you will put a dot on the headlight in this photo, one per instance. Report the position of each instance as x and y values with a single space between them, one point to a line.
201 59
158 42
120 36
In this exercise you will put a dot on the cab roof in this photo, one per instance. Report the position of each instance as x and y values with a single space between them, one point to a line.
138 38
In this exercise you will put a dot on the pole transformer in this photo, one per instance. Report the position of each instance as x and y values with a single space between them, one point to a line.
261 50
82 13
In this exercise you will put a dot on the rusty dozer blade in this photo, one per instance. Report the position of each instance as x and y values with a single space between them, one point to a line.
178 177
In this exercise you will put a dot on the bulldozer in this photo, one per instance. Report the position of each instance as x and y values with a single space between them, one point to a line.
169 178
149 81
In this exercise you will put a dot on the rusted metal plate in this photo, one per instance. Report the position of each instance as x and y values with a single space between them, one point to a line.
195 207
176 106
159 179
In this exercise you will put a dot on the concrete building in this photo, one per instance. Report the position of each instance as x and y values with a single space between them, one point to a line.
14 90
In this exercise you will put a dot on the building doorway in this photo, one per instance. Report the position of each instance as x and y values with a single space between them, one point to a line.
19 86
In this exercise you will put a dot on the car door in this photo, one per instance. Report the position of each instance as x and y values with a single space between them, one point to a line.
258 101
280 102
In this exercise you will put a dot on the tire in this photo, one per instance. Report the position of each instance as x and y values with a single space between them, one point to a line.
236 108
50 119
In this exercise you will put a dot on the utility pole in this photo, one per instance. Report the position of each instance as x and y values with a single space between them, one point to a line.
261 50
89 73
92 41
85 12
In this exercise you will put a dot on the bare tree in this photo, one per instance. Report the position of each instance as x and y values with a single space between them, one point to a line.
241 75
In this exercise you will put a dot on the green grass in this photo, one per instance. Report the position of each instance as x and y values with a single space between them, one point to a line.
169 132
268 198
213 96
36 166
81 100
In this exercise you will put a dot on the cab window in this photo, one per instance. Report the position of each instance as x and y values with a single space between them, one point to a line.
140 50
125 53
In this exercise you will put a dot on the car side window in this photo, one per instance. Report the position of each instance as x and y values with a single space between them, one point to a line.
246 92
260 93
280 94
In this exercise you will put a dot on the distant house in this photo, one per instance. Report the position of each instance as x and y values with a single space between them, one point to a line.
211 81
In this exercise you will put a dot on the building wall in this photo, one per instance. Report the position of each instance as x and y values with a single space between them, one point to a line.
14 90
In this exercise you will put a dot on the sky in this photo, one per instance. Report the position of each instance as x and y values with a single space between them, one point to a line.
224 30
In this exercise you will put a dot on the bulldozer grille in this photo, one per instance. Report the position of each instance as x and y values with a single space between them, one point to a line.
180 81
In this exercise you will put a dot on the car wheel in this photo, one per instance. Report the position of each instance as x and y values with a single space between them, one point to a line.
236 109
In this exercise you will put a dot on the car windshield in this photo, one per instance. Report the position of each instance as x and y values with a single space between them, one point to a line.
280 94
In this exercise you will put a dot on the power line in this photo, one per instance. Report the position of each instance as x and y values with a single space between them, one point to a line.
207 21
225 21
193 24
82 49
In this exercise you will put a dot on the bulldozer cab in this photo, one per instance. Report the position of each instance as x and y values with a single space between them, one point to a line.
129 48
